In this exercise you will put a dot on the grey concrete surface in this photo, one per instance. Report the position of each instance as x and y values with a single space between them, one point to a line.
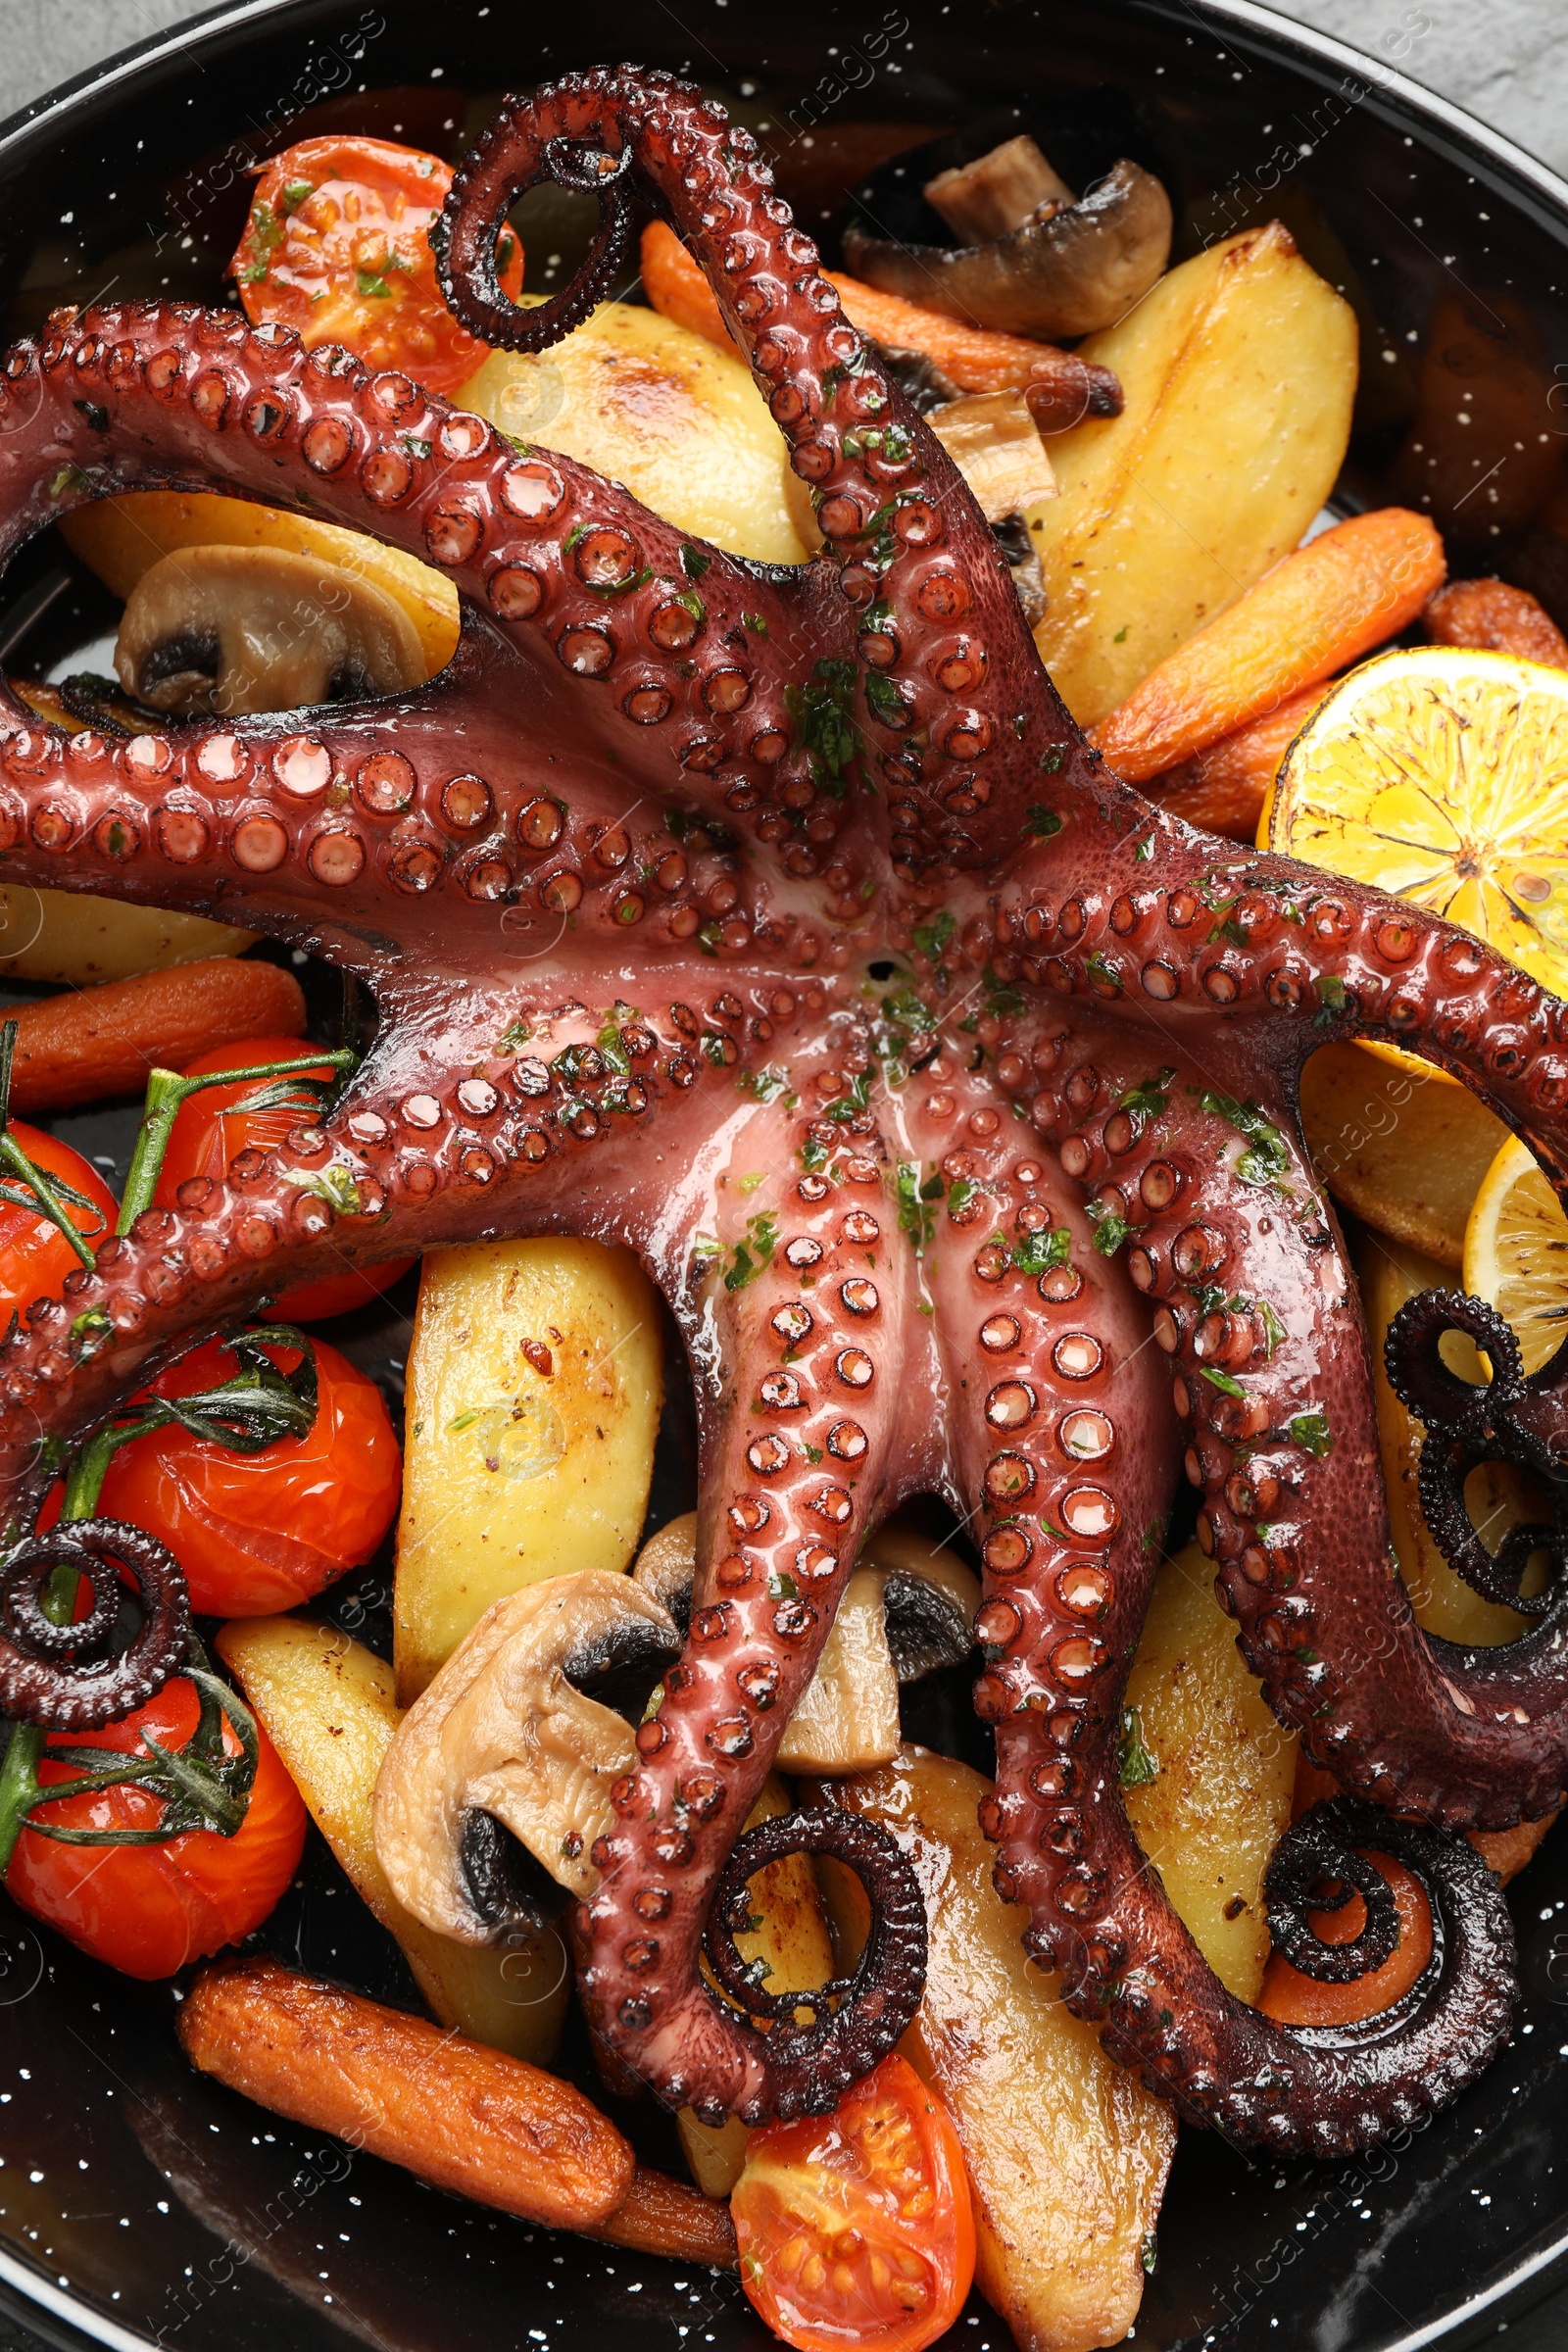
1505 60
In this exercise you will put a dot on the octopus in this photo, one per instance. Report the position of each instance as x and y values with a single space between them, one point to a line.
781 925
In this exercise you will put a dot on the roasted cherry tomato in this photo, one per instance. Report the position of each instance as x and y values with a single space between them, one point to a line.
259 1531
209 1133
148 1909
338 246
856 2227
34 1254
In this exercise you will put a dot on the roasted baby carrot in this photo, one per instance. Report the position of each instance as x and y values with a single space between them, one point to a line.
95 1042
1496 617
464 2117
1060 388
1223 788
662 2216
1316 611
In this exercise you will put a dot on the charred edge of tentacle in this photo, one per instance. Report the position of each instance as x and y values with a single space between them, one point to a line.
1423 1382
1315 1868
50 1676
1445 1465
1467 1426
465 233
856 2019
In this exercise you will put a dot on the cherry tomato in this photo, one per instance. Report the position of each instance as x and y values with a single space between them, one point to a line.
338 246
148 1909
209 1133
34 1255
259 1531
856 2227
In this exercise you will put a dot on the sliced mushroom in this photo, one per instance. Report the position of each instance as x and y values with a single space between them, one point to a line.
907 1610
236 629
1056 269
509 1754
993 439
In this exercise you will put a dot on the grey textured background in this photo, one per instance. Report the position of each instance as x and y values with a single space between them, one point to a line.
1505 60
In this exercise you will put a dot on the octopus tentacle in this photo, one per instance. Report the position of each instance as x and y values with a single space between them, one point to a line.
610 879
61 1677
959 730
796 1480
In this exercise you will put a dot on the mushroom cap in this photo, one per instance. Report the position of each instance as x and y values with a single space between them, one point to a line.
1080 269
505 1730
238 629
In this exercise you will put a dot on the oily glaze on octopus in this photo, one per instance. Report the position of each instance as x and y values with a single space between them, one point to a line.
616 879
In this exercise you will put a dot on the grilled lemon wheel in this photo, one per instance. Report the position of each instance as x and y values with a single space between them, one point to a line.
1441 776
1516 1252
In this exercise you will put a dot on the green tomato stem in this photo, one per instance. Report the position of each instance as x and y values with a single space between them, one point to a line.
167 1095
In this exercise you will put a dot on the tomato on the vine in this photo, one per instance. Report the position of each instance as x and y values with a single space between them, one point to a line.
34 1254
148 1909
259 1531
210 1132
338 246
856 2227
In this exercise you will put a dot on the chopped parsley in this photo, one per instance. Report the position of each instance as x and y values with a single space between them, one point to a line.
1134 1766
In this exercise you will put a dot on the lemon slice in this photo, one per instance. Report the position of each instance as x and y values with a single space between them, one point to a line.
1441 776
1516 1252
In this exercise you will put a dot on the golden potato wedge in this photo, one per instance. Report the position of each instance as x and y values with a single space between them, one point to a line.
656 406
1067 2153
793 1939
329 1707
1207 1771
123 537
1498 1496
1404 1152
534 1388
1238 373
76 939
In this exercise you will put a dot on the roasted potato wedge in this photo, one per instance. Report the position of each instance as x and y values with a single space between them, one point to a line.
328 1708
1238 373
654 406
793 1940
75 940
1067 2153
1402 1149
534 1389
1207 1771
1499 1496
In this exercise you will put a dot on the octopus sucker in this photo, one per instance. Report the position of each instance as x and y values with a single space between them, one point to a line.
1030 1225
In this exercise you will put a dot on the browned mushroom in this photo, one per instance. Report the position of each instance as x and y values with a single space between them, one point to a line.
514 1737
236 629
1034 260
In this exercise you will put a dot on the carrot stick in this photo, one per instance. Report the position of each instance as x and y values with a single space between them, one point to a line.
1316 611
662 2216
95 1042
1223 788
461 2116
1060 388
1491 615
